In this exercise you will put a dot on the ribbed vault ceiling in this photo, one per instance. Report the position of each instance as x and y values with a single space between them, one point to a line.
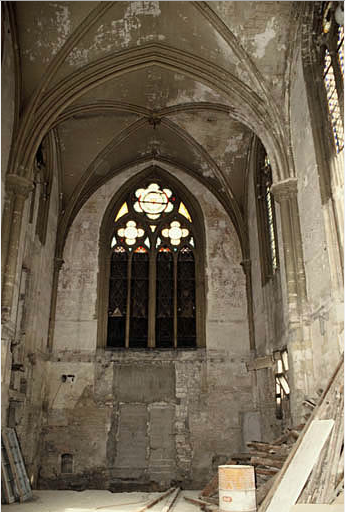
163 108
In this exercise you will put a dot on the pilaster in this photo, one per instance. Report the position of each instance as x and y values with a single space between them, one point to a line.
299 338
17 190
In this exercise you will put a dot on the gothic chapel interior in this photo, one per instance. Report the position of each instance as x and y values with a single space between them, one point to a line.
172 232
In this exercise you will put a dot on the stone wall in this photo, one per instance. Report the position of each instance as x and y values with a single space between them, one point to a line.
29 336
8 82
146 418
320 247
269 311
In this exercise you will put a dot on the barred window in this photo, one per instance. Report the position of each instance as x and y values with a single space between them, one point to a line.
152 285
333 73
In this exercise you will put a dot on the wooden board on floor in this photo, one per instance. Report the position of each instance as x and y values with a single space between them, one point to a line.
11 446
8 485
300 466
313 507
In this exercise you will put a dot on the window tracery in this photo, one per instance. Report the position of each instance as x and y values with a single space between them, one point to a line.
152 285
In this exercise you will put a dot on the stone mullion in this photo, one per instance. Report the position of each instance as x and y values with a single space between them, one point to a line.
175 300
151 343
128 315
21 188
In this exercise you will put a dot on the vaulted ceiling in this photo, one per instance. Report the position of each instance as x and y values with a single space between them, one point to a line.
181 82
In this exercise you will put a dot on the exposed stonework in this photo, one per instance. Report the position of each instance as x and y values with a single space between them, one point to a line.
189 88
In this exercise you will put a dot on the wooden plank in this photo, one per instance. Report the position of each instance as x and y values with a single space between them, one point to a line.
312 507
264 471
320 412
16 461
262 491
171 500
7 480
212 486
202 505
265 447
300 466
265 461
153 502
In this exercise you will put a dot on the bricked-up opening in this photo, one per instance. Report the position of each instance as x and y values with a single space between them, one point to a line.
66 463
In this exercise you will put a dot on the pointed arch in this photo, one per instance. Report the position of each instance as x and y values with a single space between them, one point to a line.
180 328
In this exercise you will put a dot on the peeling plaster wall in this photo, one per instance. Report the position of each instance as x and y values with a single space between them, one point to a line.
185 409
323 291
269 308
7 101
30 335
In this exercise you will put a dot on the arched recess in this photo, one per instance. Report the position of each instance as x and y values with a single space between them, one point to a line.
152 173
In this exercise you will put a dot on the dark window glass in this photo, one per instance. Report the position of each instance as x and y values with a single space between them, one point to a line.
117 298
186 326
139 300
165 300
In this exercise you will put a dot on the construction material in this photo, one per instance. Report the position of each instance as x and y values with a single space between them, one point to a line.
20 483
236 488
157 500
303 507
263 490
300 466
329 409
203 506
212 487
10 492
171 500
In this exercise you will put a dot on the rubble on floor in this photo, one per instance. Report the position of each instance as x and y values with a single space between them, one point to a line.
324 481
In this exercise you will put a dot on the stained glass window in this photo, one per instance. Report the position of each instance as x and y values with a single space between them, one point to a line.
153 201
117 306
333 72
152 299
186 298
122 211
165 299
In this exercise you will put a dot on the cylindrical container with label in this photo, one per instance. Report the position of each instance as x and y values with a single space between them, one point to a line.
236 489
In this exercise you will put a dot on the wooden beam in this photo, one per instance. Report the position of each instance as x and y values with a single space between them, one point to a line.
297 472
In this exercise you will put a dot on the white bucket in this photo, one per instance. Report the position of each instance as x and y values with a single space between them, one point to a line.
236 489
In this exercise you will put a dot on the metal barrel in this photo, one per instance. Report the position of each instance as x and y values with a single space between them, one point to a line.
236 489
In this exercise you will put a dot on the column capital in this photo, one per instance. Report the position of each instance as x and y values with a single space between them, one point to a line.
285 189
18 185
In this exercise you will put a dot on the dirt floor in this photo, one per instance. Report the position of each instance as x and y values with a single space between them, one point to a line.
102 501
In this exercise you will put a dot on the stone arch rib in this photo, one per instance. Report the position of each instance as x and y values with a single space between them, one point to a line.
247 104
